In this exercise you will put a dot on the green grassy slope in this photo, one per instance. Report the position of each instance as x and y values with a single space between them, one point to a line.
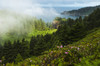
85 52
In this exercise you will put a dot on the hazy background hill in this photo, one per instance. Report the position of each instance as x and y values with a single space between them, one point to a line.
81 12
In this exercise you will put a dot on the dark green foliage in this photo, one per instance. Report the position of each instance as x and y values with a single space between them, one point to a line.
70 32
70 22
1 51
41 43
32 45
24 49
94 19
77 31
7 52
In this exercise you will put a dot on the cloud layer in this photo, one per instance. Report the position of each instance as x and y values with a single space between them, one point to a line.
30 7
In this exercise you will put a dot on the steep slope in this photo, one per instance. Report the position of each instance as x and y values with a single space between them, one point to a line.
78 52
81 12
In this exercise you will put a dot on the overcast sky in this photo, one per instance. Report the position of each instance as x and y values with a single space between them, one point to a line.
75 3
48 3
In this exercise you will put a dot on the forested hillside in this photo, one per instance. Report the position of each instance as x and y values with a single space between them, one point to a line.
85 52
76 42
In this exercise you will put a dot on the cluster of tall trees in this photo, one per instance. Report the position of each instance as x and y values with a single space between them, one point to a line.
68 32
19 50
73 30
10 51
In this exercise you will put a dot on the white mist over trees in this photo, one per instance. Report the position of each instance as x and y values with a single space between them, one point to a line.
17 16
14 22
